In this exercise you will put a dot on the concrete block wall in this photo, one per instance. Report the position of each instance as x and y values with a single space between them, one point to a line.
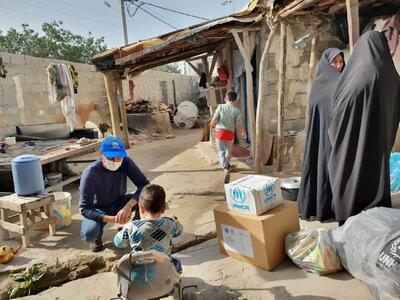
158 85
24 93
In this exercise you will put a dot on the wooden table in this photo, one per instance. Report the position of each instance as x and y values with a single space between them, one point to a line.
65 151
23 214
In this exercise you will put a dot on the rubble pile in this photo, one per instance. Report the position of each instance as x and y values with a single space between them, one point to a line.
146 106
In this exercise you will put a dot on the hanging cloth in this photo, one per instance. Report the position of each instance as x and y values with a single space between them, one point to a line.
203 80
74 76
61 89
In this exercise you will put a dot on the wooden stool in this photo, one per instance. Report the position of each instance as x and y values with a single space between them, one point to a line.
26 210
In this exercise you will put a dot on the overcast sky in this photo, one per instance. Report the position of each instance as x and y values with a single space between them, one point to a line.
82 16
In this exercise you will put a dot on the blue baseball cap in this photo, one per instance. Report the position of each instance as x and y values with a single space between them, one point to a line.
113 146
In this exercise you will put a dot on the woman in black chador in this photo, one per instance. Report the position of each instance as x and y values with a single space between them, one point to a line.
315 196
364 123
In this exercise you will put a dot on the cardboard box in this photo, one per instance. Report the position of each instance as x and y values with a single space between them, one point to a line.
253 194
258 240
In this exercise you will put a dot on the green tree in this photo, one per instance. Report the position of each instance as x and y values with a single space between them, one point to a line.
56 42
169 68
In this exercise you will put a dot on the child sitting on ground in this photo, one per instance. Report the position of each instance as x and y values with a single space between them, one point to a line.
153 231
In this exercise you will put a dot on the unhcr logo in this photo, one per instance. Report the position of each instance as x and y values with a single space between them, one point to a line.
238 195
115 145
269 191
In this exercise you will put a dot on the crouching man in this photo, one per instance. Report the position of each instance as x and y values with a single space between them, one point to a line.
103 198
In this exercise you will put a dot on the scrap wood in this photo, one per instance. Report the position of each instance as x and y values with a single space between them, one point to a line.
146 106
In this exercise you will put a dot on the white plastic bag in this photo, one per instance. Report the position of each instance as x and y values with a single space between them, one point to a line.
369 247
312 251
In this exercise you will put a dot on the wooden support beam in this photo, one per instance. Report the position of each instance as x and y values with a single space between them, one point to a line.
122 110
213 63
194 68
245 55
262 88
111 89
244 49
293 7
174 93
353 22
229 62
310 79
281 96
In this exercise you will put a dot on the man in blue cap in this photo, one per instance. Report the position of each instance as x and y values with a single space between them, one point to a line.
103 187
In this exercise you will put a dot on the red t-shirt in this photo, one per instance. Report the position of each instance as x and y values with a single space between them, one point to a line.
225 135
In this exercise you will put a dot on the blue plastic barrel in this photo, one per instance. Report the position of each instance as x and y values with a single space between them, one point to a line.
27 175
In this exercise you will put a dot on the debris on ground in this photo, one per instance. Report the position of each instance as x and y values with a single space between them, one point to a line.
146 106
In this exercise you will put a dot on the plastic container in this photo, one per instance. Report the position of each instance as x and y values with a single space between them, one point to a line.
62 209
290 188
27 175
54 178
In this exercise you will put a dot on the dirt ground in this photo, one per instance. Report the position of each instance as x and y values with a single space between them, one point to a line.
189 172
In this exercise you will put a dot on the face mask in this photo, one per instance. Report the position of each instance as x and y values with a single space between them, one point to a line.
111 165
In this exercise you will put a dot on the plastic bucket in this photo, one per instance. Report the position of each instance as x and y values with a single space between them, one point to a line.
62 209
27 175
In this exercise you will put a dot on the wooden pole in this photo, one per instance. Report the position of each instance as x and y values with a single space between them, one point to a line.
311 67
229 62
122 110
353 22
261 102
281 96
249 84
247 40
111 89
174 92
213 63
194 68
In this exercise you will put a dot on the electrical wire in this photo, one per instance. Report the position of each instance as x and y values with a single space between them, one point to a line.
92 20
149 13
172 22
175 11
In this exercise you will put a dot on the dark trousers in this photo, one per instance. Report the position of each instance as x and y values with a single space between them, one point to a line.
91 229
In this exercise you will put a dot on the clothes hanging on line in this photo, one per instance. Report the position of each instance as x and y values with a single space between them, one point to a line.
61 89
74 76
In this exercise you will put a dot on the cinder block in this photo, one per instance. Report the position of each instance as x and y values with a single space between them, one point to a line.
292 112
17 59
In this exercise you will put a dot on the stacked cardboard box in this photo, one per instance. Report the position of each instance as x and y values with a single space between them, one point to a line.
253 224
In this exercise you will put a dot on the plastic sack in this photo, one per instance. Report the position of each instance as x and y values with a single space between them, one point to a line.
369 247
186 115
312 251
394 164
